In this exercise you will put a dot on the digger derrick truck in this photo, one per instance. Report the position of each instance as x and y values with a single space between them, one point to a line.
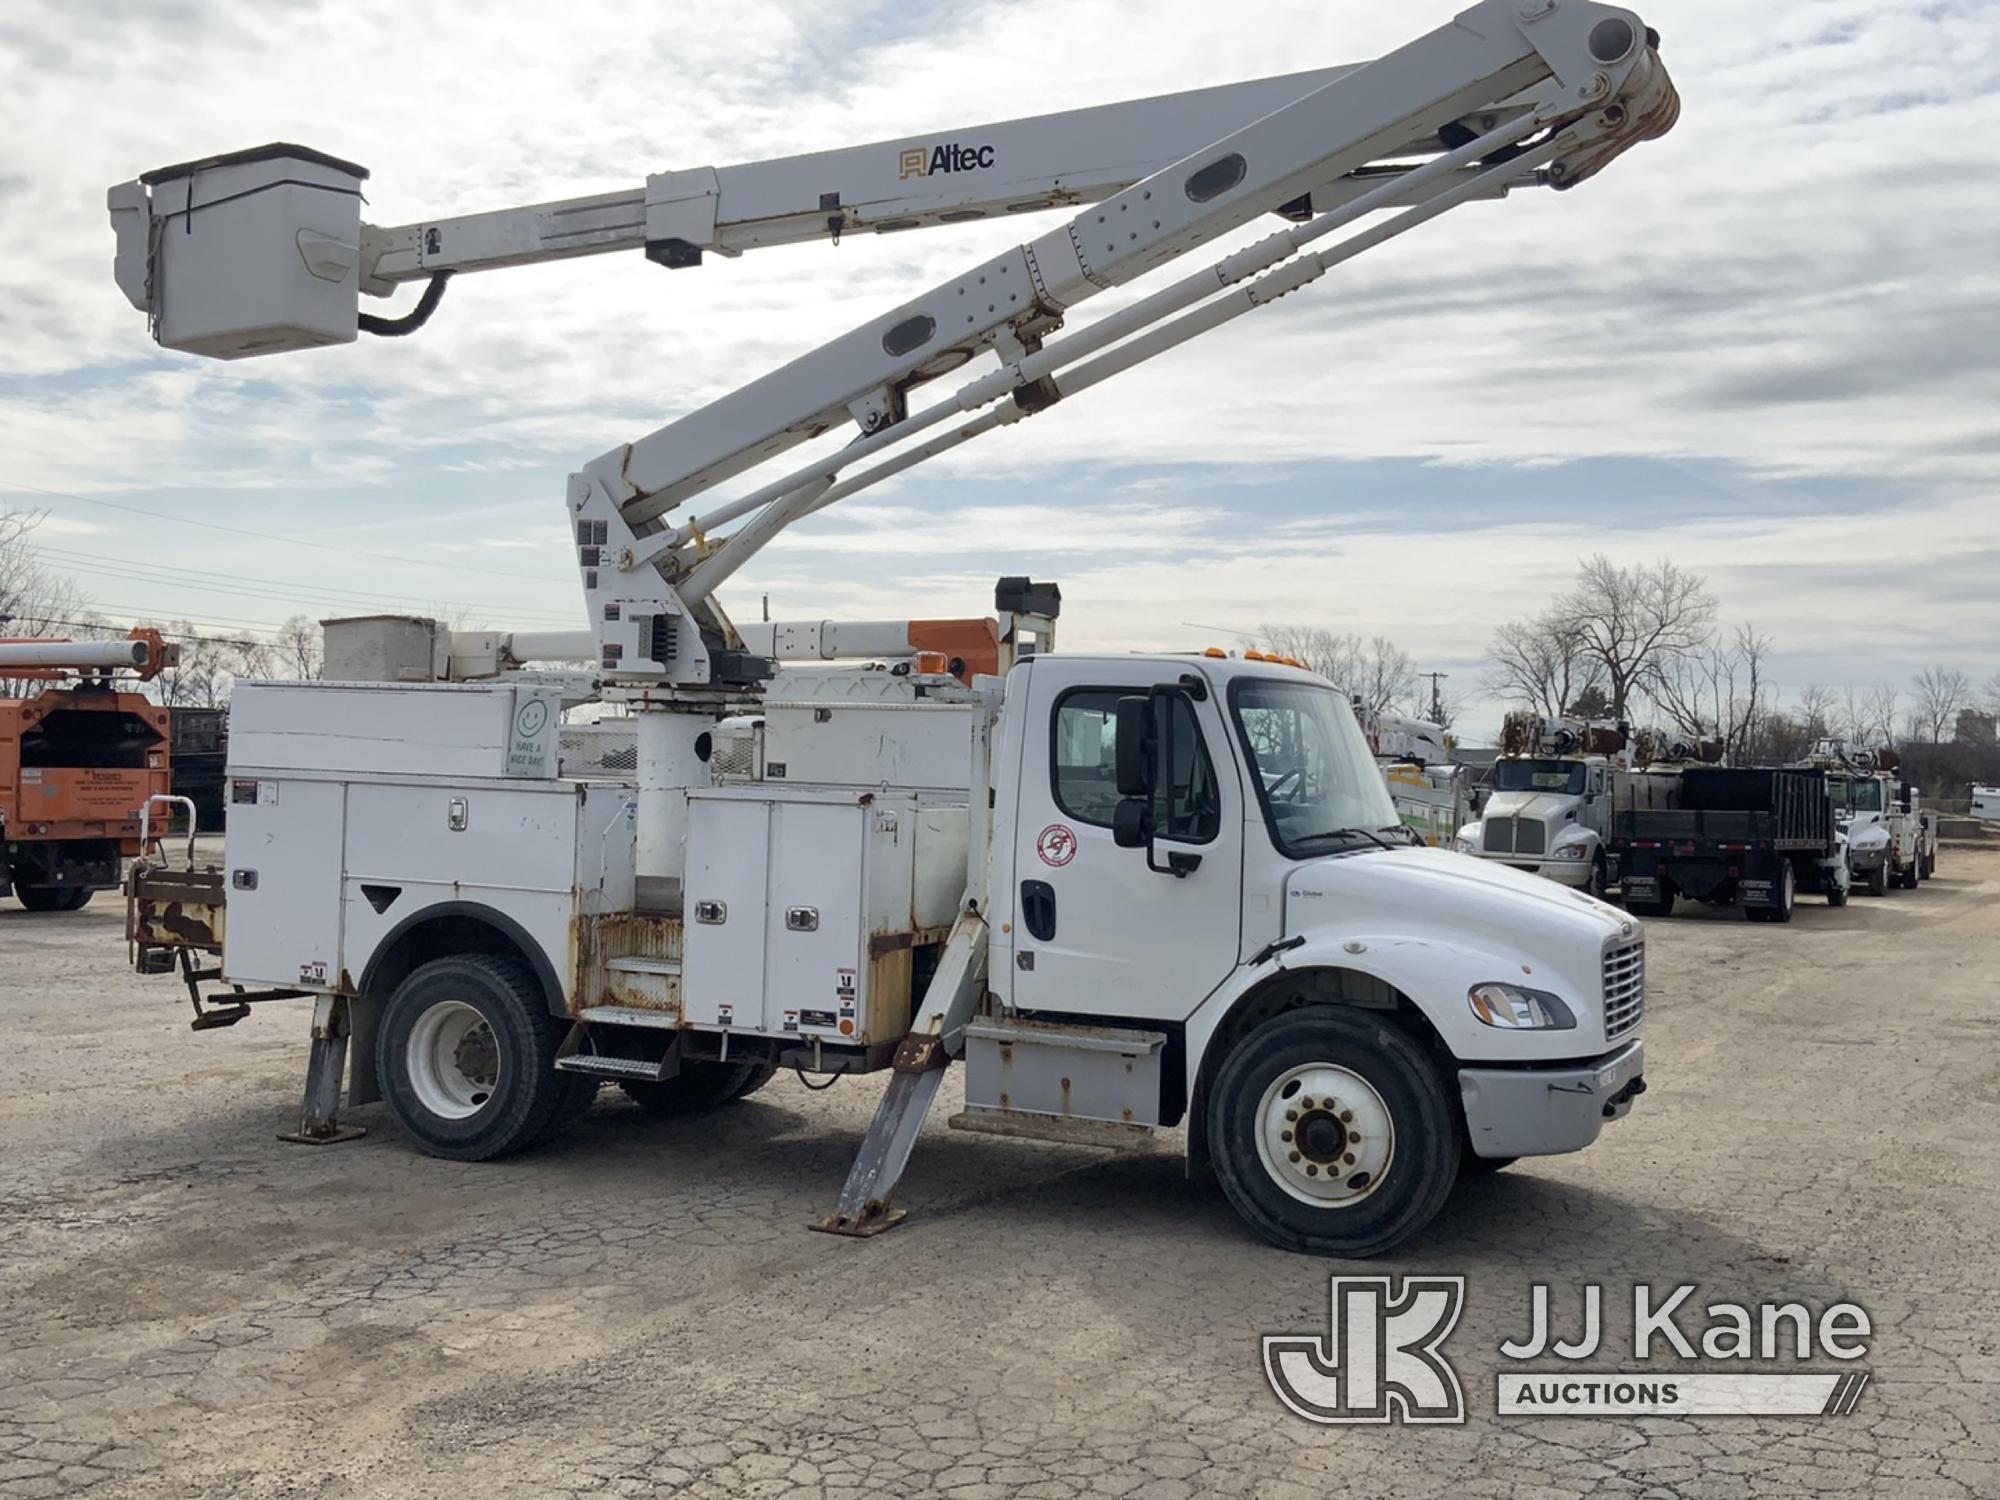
1889 838
1550 808
1120 893
79 762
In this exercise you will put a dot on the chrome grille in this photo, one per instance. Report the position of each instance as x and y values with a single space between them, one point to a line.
1499 835
1530 836
1624 989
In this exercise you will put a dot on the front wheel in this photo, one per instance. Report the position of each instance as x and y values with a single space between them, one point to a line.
1332 1134
466 1054
1878 880
1597 883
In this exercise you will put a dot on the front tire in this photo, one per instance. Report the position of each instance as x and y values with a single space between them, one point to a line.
1878 880
466 1054
1597 884
1332 1134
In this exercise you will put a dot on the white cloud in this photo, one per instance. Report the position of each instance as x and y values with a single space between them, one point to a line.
1795 284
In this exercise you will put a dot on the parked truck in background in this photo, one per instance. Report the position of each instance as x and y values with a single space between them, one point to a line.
1551 801
1744 836
78 762
1891 840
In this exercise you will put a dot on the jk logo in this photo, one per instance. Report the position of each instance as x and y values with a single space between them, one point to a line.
1380 1360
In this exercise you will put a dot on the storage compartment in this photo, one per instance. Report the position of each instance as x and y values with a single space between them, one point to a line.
439 729
255 252
801 911
1017 1067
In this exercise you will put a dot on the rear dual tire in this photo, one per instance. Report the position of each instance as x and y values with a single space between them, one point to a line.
53 897
466 1054
698 1086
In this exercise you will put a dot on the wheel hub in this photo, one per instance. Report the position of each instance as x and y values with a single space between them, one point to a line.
453 1060
1324 1135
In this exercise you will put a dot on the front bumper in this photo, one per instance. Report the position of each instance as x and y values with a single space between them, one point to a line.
1570 872
1861 861
1547 1111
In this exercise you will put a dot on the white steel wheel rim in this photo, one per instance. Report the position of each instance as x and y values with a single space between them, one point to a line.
1324 1135
453 1060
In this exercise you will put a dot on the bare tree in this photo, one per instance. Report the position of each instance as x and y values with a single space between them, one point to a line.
1878 718
1636 622
1376 671
1940 692
1991 693
299 650
1818 710
1718 691
1540 664
36 602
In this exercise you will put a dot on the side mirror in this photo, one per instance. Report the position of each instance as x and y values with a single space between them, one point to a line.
1132 823
1134 747
1907 790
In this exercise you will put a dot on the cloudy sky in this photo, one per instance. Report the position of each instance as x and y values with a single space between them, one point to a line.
1767 347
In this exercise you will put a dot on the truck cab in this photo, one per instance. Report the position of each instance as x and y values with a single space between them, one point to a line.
1258 907
1547 815
1891 840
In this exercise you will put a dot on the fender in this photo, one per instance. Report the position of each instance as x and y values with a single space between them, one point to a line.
502 924
1433 974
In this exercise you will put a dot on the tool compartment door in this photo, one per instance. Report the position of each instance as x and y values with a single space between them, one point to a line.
728 855
285 855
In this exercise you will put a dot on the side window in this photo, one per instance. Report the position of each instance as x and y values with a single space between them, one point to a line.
1083 765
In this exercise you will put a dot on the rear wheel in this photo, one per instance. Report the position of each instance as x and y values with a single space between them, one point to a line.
1787 898
1664 907
1909 875
1332 1134
466 1054
53 897
698 1086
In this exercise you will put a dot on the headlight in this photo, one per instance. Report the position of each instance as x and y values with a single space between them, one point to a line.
1572 851
1465 846
1512 1007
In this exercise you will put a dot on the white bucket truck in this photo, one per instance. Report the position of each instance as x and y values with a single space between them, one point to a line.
1124 893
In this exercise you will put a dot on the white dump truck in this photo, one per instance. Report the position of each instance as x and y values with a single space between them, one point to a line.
1122 893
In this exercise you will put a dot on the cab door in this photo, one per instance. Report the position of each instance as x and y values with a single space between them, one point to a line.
1096 931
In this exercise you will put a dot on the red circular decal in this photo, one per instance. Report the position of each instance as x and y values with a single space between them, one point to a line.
1057 844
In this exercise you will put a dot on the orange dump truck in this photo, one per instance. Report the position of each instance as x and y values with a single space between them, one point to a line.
77 764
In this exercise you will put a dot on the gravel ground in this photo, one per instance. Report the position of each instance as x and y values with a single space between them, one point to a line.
189 1307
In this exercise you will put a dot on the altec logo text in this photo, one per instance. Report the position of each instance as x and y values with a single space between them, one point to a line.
929 161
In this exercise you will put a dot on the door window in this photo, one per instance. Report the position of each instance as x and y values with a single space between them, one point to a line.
1083 758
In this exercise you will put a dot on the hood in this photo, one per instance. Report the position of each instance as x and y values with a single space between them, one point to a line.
1411 889
1541 807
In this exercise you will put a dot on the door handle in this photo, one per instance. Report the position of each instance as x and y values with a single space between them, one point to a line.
1038 909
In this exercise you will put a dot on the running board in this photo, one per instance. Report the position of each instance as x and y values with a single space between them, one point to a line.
1104 1135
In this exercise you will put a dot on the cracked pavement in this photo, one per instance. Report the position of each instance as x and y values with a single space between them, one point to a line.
190 1307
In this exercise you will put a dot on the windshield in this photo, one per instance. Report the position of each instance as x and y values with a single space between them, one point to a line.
1320 788
1564 776
1866 796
